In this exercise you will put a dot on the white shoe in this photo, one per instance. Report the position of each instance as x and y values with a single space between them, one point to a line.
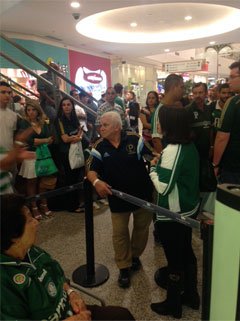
103 201
96 206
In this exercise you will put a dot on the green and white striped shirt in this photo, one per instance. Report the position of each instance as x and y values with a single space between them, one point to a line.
175 178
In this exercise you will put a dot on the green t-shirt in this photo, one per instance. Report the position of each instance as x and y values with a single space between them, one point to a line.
119 101
230 123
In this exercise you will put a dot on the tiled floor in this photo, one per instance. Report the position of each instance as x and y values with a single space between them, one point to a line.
64 237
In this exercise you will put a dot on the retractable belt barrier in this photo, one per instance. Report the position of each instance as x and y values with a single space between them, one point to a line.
157 209
59 191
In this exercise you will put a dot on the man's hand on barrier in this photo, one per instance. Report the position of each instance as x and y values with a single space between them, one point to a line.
103 189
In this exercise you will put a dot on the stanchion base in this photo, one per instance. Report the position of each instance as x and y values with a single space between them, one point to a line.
80 277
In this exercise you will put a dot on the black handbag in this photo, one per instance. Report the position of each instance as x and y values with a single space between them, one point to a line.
207 178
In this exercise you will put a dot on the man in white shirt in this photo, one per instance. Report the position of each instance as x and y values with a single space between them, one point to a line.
8 119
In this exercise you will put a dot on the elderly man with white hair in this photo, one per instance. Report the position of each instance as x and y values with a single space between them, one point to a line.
117 162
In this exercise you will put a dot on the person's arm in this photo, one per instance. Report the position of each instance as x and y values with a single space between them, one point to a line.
144 121
75 300
102 188
220 145
17 154
165 177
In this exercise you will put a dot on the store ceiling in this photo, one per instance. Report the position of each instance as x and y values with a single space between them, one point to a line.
53 20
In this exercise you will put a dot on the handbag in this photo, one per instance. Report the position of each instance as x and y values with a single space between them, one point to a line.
44 165
207 178
76 156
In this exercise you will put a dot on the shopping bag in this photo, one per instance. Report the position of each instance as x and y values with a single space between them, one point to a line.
76 156
44 165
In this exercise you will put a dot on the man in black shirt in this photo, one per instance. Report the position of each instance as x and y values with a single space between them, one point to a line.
116 162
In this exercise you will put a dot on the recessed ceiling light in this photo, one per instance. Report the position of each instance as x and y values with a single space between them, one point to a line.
166 50
75 4
133 24
212 42
188 18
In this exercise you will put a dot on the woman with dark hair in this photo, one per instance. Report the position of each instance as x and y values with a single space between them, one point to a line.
175 176
33 285
70 132
146 113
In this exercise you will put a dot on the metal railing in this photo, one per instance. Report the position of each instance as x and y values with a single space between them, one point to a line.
54 73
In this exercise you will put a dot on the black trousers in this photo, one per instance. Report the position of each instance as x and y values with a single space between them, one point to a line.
176 239
70 177
109 313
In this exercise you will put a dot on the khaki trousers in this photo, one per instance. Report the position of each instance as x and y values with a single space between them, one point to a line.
126 248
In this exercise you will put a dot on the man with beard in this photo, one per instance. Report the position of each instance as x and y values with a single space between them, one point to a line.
202 129
217 106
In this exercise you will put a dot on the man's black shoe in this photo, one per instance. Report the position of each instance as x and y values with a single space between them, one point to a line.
136 264
124 278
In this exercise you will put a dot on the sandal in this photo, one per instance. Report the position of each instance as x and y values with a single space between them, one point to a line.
36 214
45 211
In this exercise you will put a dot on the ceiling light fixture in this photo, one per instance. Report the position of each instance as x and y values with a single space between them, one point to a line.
75 4
133 24
166 50
105 26
188 18
212 42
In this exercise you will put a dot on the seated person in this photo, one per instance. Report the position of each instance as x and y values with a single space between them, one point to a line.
33 285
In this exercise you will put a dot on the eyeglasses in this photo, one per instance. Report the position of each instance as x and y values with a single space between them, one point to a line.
5 92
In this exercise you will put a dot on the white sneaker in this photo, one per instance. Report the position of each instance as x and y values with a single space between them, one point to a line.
96 206
103 201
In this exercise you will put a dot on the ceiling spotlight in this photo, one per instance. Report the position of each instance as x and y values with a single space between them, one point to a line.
166 50
133 24
212 42
75 4
188 18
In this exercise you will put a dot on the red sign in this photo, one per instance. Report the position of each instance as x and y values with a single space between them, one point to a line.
89 72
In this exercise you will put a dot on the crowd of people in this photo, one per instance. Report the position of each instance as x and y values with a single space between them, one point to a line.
175 158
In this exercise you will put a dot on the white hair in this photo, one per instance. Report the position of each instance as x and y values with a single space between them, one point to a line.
114 117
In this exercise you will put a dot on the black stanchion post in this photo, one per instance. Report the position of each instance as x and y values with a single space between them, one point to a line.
207 236
90 274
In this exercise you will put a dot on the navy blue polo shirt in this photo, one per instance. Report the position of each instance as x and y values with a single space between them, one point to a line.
123 168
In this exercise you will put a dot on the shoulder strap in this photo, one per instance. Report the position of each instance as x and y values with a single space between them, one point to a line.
61 127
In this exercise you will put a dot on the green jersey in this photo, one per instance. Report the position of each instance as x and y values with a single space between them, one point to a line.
33 289
176 179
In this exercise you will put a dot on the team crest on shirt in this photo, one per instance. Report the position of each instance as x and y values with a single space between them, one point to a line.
19 278
131 149
52 290
195 113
